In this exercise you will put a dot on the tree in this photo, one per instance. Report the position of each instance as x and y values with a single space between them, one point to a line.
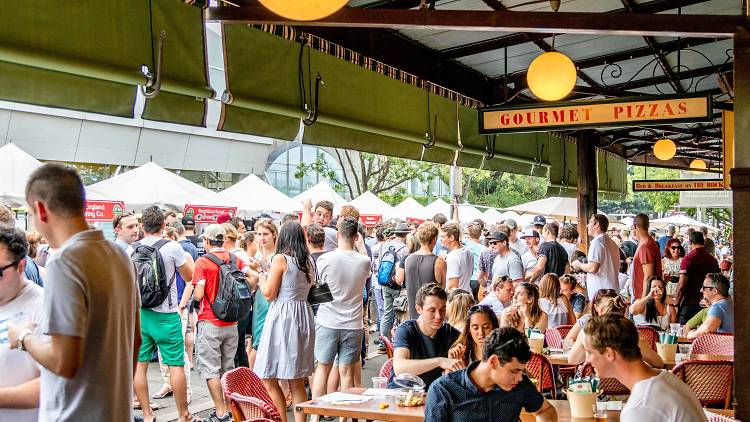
364 171
645 202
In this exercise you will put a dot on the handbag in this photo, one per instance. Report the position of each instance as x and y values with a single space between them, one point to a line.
319 293
400 303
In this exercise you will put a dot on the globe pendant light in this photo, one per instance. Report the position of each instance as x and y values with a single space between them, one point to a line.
698 164
665 149
304 10
551 76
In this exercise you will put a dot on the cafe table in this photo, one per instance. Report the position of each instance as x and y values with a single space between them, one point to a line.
562 359
370 410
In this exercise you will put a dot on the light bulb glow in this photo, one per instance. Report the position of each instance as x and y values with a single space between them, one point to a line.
551 76
698 164
665 149
304 10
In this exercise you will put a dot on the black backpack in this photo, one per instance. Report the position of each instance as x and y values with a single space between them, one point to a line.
233 300
151 274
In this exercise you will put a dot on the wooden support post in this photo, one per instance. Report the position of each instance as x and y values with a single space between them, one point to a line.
741 201
587 184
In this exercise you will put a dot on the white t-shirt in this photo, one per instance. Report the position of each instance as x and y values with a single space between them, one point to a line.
16 365
519 245
529 262
509 265
460 264
557 315
91 293
662 398
173 256
570 248
331 241
603 250
492 300
346 273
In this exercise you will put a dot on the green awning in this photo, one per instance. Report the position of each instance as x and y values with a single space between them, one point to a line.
87 55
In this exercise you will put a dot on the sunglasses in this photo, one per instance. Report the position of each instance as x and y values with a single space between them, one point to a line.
477 308
704 287
675 248
494 242
12 264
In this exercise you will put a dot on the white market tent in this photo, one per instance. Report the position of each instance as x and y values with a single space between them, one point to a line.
253 195
492 216
15 168
680 220
369 204
408 208
468 213
437 206
521 219
320 192
557 207
627 221
150 184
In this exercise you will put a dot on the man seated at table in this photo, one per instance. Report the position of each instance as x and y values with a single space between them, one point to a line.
500 295
720 315
493 389
611 343
421 345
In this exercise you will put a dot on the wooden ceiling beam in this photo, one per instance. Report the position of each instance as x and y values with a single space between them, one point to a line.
473 20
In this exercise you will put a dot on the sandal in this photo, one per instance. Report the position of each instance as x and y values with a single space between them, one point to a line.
163 393
154 406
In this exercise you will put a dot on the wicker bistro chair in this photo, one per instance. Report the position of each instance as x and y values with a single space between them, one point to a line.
608 386
538 367
247 396
649 334
711 380
554 336
386 370
713 344
388 346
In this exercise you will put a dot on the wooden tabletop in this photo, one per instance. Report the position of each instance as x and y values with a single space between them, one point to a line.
562 359
370 410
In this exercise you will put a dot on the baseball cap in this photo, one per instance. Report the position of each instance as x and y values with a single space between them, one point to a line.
223 218
511 223
498 236
530 233
539 219
188 221
214 232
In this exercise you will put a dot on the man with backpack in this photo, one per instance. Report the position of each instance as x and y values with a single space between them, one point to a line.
224 293
156 262
391 253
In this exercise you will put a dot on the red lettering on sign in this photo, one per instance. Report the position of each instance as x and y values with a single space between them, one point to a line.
517 119
668 109
543 118
559 116
682 107
574 115
504 119
618 111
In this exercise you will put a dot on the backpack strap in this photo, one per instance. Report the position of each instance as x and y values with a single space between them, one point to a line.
159 243
215 259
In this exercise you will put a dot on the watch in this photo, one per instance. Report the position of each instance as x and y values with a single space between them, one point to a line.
22 337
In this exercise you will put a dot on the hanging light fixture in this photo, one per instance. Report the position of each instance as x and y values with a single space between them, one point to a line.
698 165
551 76
665 149
304 10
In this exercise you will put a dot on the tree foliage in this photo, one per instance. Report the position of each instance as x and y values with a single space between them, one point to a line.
645 202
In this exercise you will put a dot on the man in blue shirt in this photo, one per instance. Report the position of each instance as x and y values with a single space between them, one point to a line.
493 389
720 317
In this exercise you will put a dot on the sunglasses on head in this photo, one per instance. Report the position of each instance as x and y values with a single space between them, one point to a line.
477 308
118 218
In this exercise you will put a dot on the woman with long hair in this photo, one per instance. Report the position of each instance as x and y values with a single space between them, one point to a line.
525 311
459 302
597 304
479 324
653 309
266 234
247 244
558 308
670 264
286 345
609 302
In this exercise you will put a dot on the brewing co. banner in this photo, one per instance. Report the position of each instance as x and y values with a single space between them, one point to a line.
207 213
103 210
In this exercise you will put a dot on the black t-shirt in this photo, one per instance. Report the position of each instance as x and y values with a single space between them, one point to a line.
629 248
420 346
557 257
196 240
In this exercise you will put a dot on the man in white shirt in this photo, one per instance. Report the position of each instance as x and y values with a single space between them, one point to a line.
500 295
460 261
339 324
530 258
611 344
126 229
515 242
603 259
21 300
507 262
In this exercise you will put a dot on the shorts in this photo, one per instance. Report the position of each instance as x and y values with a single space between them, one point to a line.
332 342
215 348
162 330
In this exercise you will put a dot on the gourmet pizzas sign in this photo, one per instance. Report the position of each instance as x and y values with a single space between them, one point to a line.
98 211
594 114
206 213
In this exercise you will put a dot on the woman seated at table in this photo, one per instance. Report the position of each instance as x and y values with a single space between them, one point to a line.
459 302
558 308
652 309
605 303
569 288
525 311
479 324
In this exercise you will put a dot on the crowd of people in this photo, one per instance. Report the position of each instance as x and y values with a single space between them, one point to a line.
82 317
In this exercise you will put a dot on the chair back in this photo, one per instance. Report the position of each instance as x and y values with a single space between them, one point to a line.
554 336
247 396
649 334
608 386
388 346
710 380
713 344
563 330
386 371
538 367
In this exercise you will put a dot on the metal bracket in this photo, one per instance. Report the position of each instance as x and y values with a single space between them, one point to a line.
153 85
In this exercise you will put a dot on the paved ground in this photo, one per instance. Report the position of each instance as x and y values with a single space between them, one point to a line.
202 404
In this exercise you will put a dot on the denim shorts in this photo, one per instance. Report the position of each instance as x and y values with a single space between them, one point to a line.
330 342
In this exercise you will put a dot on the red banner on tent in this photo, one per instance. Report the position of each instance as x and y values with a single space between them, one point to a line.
103 210
417 220
370 220
207 213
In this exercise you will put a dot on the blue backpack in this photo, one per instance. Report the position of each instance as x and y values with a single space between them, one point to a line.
387 268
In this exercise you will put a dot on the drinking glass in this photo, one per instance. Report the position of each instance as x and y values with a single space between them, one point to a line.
379 384
600 411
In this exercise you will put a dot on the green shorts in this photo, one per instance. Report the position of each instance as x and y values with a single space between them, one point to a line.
162 330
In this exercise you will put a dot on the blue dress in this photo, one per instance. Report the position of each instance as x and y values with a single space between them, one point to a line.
288 339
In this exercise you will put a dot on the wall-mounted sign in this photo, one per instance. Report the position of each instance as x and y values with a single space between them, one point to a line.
594 114
207 214
677 185
370 220
103 210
